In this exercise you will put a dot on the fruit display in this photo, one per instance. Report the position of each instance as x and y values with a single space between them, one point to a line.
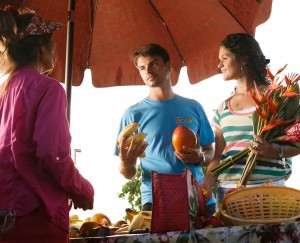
128 133
97 225
183 136
101 218
100 225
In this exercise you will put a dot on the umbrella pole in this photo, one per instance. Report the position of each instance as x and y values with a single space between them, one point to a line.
69 55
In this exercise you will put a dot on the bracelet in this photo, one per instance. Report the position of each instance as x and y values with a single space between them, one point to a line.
203 158
280 151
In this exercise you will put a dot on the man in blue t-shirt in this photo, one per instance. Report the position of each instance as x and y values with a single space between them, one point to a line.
158 115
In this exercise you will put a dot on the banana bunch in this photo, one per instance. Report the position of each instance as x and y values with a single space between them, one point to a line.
128 133
123 230
142 220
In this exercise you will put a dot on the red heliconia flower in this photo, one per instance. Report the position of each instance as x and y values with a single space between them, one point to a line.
270 75
280 70
257 98
272 124
291 78
291 91
262 113
287 80
273 87
290 94
272 105
257 92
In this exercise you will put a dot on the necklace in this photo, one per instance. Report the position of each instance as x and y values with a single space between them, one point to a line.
240 100
240 90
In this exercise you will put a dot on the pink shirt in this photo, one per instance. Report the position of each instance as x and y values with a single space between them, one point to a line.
36 167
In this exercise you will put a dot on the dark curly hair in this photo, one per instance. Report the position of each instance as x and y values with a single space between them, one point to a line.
249 55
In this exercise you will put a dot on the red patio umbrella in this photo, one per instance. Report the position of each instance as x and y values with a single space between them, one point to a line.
107 32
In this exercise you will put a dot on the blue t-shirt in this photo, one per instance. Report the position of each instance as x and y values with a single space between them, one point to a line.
159 119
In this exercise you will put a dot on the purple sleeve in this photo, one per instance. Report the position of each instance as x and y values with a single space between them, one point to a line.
53 140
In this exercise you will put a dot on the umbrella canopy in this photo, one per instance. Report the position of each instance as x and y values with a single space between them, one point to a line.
107 32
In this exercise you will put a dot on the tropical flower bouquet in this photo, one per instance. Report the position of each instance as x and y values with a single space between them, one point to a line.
276 119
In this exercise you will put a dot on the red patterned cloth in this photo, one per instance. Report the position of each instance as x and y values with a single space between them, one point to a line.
38 26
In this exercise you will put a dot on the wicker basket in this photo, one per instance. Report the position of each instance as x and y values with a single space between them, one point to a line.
261 205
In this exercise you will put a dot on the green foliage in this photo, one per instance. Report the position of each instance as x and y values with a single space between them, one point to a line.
131 191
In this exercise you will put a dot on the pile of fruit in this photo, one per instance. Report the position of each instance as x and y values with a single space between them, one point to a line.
100 225
91 226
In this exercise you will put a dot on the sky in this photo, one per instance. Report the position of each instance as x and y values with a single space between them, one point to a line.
96 112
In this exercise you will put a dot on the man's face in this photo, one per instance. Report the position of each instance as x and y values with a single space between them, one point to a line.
153 70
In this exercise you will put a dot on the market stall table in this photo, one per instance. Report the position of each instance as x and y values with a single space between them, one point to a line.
284 232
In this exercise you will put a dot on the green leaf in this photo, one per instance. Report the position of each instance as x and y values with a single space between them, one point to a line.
255 119
292 105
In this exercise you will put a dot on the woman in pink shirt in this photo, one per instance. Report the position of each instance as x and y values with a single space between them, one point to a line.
38 178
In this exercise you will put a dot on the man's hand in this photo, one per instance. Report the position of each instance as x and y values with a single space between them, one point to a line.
189 155
129 155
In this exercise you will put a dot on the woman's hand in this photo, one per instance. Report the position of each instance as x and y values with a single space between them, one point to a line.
83 203
263 149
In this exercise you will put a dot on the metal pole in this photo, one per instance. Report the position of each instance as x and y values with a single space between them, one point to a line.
69 55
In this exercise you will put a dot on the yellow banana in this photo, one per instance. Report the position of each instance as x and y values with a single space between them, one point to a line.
122 230
130 214
141 221
88 219
138 137
143 155
137 222
120 223
147 225
129 129
74 216
76 221
147 215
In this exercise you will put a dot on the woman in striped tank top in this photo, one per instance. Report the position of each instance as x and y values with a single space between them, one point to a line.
242 60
